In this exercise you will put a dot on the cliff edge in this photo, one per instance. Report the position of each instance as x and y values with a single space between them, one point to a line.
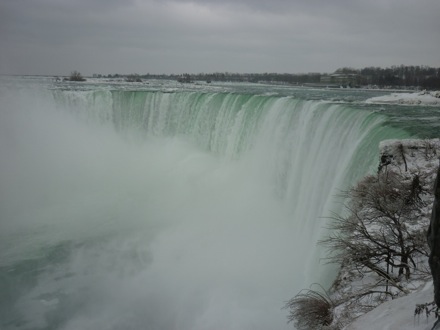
422 157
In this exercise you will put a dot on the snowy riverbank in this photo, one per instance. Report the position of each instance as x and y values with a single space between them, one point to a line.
398 314
419 98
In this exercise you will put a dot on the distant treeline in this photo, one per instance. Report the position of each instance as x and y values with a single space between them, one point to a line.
396 76
403 76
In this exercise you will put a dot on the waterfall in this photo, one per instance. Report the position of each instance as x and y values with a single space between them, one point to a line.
170 210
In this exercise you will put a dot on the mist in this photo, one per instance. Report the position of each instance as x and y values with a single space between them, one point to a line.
128 235
168 210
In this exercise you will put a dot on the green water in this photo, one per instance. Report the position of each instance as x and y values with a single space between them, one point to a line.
169 206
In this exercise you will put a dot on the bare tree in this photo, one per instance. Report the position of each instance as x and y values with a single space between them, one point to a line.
379 234
379 242
76 76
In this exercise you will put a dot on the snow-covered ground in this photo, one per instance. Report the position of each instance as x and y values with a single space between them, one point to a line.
398 314
422 98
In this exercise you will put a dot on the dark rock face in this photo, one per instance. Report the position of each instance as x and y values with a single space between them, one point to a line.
385 160
434 240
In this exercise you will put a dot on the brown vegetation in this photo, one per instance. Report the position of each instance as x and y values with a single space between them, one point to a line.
310 309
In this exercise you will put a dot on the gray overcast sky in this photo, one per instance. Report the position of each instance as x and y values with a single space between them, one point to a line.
164 36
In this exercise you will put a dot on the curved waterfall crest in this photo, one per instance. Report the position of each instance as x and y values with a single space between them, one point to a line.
208 205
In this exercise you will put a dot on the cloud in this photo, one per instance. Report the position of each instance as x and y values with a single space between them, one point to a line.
56 37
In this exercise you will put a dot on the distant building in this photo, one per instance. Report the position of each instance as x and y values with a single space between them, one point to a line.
342 79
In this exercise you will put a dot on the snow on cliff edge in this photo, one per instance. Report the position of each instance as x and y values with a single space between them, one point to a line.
398 314
419 98
419 156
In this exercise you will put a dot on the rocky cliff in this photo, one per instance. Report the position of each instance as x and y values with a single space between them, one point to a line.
434 240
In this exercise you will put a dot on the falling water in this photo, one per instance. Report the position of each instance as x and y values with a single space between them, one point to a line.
169 210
